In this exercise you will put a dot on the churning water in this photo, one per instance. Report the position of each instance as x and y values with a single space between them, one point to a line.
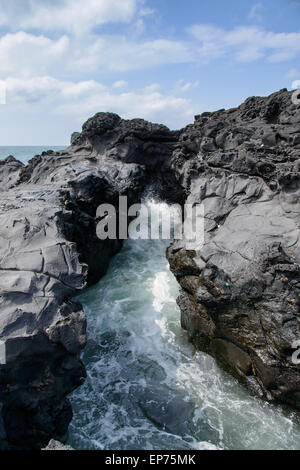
146 386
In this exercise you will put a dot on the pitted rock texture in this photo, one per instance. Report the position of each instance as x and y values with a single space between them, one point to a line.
240 291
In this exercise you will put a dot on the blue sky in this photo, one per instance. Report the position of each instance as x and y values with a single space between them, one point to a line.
162 60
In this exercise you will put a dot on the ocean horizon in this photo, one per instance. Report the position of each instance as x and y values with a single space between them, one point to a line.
26 152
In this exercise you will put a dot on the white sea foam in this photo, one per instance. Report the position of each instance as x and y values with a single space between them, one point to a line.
146 387
161 291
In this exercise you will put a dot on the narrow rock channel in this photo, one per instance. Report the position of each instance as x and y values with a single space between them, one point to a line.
239 294
146 387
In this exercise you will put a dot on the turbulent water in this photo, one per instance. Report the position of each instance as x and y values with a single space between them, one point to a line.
25 153
146 386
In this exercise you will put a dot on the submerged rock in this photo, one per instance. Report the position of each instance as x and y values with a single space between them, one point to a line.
239 293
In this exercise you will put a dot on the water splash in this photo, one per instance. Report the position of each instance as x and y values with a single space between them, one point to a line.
146 386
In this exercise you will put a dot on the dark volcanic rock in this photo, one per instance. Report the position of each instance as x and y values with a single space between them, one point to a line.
49 251
42 328
239 293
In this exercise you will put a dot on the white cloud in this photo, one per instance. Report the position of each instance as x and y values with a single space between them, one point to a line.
24 54
139 27
293 73
146 11
119 54
154 87
182 87
245 43
255 13
120 84
154 106
40 67
295 85
64 15
83 99
46 89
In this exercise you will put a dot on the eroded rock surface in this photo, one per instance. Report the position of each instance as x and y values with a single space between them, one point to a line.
49 251
239 292
10 170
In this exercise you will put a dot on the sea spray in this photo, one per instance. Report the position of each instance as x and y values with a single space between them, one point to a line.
146 386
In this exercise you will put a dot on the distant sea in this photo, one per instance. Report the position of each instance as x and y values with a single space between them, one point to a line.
26 153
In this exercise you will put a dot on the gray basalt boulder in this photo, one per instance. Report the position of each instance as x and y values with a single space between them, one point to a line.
10 171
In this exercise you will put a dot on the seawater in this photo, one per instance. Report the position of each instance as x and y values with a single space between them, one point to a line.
146 386
26 153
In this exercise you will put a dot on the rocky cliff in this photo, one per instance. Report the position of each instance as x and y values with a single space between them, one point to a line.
49 251
239 293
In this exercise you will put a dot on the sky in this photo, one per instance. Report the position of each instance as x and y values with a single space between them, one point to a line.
61 61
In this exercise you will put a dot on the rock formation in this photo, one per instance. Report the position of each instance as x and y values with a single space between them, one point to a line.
239 294
49 251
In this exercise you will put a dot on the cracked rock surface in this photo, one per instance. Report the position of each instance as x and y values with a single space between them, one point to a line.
49 251
240 291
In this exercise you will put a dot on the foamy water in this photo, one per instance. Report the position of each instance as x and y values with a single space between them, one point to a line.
146 386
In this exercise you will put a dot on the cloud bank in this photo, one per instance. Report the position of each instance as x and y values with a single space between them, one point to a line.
50 50
65 15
